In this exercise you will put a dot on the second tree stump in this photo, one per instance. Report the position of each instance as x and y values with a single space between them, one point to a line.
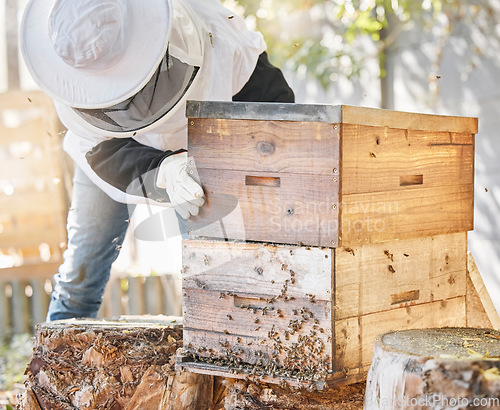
435 369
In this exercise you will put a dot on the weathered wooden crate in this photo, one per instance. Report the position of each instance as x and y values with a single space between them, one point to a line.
327 175
33 205
313 313
325 226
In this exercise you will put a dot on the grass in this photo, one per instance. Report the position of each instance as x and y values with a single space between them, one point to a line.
14 357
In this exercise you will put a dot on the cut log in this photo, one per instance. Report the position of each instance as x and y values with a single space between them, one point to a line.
435 369
111 364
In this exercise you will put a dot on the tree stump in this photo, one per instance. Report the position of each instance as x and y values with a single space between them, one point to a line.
126 363
448 368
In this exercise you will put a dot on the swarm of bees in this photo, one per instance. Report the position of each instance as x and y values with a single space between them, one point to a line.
294 352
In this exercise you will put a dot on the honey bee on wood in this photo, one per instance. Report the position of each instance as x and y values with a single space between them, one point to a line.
389 255
350 250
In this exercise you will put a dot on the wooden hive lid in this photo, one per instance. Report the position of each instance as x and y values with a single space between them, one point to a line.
334 114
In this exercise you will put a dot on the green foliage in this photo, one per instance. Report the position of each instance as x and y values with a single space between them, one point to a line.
14 358
330 38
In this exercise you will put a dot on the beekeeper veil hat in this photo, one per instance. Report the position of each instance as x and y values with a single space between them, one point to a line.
117 66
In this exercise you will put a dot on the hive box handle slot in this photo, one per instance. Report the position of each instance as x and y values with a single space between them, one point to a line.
255 303
262 181
406 180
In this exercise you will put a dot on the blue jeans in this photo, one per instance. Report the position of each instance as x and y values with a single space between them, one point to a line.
96 228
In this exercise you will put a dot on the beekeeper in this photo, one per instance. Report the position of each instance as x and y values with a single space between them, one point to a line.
120 72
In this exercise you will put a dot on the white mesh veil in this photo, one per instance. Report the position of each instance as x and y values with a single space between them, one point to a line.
169 85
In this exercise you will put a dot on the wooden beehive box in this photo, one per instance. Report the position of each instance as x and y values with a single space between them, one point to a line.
331 175
337 224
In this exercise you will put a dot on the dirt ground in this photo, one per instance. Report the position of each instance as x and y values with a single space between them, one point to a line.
11 397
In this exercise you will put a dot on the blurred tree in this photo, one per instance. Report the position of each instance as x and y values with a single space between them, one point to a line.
325 39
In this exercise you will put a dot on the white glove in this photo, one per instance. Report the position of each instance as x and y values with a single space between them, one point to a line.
185 194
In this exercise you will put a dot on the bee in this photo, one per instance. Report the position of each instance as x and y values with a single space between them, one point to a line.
389 255
350 250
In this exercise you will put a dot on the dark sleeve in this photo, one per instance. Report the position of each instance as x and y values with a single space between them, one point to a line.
266 84
129 166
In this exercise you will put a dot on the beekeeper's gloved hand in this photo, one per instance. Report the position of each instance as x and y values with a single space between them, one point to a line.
186 196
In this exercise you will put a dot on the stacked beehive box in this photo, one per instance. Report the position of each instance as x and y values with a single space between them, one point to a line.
325 226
